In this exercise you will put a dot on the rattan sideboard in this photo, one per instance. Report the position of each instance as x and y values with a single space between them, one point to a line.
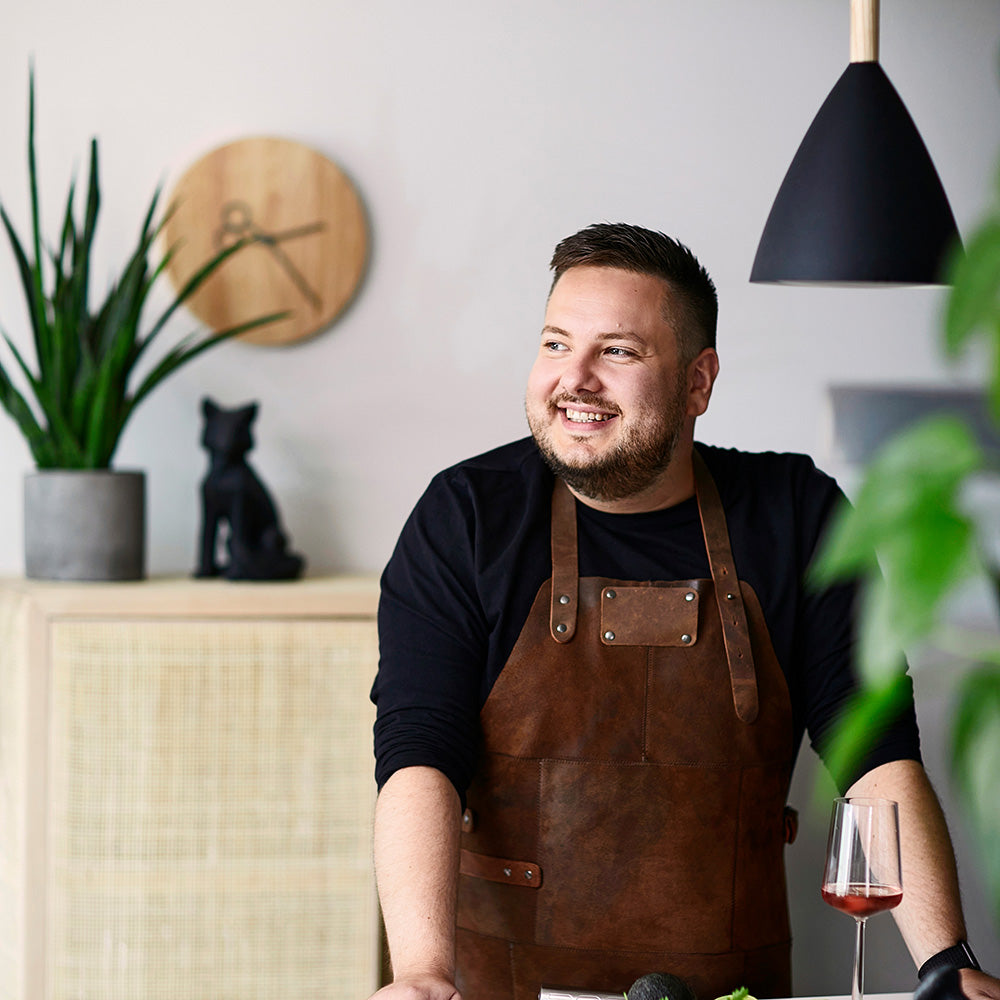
186 790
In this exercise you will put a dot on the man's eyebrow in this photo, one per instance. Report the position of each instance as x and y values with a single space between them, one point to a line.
629 335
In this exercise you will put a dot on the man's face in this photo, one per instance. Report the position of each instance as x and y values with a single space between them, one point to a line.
607 396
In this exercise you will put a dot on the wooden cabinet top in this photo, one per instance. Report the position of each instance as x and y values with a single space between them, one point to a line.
181 597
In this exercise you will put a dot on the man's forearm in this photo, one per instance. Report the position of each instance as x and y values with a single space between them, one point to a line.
416 861
930 915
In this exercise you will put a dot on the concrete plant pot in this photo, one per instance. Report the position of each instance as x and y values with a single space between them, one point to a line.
85 525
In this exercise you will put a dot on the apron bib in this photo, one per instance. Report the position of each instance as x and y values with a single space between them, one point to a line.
628 813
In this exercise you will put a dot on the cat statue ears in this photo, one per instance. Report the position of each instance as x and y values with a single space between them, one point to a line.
210 409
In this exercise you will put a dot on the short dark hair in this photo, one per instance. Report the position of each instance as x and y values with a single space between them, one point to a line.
643 251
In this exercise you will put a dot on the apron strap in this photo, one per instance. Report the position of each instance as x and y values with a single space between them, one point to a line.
565 571
732 613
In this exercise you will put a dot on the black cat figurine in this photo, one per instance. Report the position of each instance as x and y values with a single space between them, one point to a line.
232 493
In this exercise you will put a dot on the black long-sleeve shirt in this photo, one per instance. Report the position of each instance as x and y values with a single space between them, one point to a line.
476 549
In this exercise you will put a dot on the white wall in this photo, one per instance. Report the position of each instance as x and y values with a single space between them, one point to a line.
479 134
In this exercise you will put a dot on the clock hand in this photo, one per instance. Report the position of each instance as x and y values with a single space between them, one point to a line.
291 234
291 270
237 223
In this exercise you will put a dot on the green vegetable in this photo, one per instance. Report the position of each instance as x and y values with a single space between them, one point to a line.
742 993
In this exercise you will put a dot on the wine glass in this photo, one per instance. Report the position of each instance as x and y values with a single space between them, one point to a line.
862 874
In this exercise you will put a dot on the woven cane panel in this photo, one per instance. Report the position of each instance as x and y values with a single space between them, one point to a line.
210 811
11 787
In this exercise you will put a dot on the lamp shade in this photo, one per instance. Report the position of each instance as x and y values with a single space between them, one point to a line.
861 202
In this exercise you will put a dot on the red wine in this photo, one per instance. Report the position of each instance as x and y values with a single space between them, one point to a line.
862 900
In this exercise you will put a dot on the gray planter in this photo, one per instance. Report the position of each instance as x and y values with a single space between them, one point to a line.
84 525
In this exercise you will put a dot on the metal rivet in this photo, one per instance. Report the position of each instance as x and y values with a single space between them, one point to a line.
609 635
564 599
685 638
689 596
560 627
730 597
529 874
610 594
507 872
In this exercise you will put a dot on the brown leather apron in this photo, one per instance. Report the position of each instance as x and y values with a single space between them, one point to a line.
628 811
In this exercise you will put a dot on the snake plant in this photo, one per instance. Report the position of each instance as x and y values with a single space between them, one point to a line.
86 384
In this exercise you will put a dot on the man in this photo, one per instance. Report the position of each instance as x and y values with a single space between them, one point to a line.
598 659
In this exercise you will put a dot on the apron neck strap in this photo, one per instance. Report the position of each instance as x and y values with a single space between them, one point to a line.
565 564
732 613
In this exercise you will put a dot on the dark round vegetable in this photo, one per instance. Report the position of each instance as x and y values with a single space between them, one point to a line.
660 986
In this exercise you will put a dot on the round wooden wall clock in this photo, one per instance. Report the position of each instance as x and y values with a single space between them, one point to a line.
308 237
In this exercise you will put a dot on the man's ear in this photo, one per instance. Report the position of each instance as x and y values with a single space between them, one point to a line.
702 373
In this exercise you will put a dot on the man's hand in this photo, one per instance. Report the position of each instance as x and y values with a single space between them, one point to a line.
419 988
978 985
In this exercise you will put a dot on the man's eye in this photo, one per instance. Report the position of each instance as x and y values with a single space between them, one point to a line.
554 345
620 352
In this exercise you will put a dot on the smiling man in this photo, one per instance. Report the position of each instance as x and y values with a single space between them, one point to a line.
598 659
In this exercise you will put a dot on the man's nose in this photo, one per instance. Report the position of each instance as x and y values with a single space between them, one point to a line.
581 375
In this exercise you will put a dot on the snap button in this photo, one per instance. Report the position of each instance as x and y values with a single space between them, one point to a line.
610 594
609 635
685 638
564 598
507 872
689 596
468 821
561 627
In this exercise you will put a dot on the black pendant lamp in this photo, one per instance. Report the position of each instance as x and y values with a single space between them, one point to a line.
861 203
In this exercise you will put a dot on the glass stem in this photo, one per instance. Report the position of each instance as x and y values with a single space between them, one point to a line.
858 981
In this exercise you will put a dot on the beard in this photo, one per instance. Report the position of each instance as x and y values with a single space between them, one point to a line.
634 463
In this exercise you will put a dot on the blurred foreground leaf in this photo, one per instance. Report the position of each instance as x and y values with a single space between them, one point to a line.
867 714
975 765
974 303
975 299
907 533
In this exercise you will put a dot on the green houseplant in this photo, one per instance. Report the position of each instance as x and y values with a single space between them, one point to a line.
913 539
87 381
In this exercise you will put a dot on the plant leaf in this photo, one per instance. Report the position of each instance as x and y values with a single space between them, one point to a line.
974 301
101 417
906 508
190 348
37 301
17 406
30 284
975 763
909 541
860 725
36 228
907 534
194 283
